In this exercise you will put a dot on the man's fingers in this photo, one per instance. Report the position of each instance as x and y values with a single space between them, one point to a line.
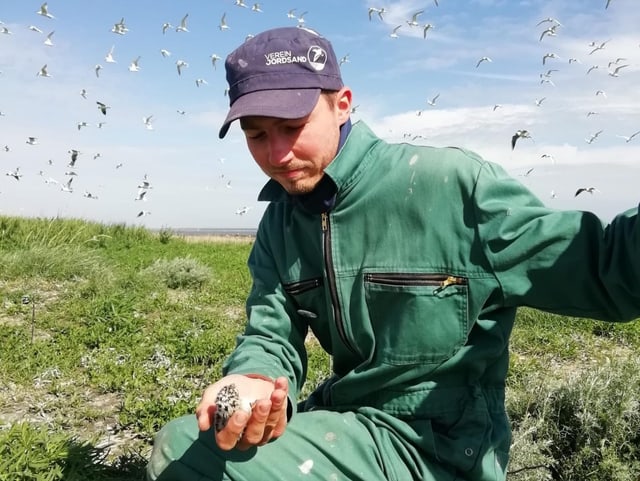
205 415
281 383
254 432
228 438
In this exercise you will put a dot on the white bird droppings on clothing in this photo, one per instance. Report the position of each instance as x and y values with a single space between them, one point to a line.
305 468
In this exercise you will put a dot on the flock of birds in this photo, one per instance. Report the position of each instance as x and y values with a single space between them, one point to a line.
549 29
121 28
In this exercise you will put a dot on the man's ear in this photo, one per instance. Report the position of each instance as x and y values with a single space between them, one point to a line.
343 104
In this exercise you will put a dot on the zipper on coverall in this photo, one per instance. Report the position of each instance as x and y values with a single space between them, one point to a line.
331 280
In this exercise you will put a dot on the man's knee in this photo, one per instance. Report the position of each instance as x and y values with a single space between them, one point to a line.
170 444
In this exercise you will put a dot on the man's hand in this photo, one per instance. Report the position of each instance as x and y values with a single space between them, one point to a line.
268 418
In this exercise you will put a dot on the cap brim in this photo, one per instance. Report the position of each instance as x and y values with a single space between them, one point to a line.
283 104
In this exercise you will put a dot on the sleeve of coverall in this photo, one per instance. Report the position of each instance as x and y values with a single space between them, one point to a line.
567 262
271 345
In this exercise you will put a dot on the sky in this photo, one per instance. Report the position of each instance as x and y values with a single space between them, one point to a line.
197 180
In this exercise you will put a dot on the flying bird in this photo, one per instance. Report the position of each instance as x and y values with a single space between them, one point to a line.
394 32
414 19
166 26
74 157
67 187
134 66
549 55
590 190
183 24
223 22
520 134
43 72
47 41
597 47
102 107
548 20
300 19
550 32
616 70
120 28
628 139
142 195
379 11
44 11
180 64
483 59
109 57
593 137
432 101
15 173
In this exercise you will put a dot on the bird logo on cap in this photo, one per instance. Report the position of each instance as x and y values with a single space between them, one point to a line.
317 57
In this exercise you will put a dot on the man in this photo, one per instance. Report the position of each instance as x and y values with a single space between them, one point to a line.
407 263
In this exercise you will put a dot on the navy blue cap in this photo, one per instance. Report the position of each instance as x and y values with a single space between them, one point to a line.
280 73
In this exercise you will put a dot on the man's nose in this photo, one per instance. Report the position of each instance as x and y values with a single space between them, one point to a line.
279 150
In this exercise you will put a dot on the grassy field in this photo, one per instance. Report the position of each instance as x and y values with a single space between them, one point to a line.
107 332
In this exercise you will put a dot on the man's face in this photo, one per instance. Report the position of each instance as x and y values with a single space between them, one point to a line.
295 152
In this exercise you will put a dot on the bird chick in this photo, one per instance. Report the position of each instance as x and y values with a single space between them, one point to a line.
228 401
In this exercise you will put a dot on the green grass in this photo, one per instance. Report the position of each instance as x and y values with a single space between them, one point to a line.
107 332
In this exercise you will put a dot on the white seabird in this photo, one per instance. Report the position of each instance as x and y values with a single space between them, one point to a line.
43 72
628 139
183 24
47 41
483 59
180 64
44 11
120 28
223 22
133 66
109 57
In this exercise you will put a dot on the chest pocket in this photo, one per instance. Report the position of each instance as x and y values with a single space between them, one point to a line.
310 306
417 318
